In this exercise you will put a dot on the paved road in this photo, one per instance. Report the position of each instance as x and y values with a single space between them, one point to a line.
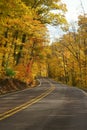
65 108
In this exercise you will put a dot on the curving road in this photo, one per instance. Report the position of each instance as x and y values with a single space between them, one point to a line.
50 106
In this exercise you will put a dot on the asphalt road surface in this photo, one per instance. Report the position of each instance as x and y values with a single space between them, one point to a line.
50 106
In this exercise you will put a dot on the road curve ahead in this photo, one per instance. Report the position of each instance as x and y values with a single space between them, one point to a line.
51 106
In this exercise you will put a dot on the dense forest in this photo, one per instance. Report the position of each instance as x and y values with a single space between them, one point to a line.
25 52
69 56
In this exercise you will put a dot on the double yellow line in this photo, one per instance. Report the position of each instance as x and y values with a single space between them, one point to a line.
25 105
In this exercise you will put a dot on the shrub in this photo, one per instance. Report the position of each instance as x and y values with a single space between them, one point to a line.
10 72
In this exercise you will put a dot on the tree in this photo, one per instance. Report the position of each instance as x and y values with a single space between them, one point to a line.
23 35
44 11
68 58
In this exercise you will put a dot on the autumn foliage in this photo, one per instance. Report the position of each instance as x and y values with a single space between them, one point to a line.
24 36
68 62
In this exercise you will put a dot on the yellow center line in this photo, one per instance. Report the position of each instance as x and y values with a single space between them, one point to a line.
25 105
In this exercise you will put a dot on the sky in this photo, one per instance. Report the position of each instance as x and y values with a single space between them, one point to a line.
74 10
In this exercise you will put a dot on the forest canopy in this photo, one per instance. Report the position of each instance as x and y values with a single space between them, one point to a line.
24 36
25 52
